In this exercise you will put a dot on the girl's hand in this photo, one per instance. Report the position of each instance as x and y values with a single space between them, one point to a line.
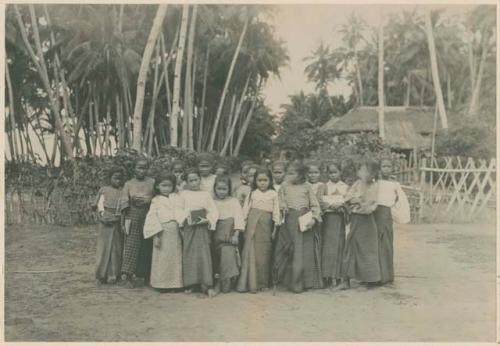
126 226
201 220
273 235
311 224
157 242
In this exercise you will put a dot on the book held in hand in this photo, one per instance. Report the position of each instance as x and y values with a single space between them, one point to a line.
305 220
196 215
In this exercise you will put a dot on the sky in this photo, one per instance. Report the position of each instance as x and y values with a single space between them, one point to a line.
303 27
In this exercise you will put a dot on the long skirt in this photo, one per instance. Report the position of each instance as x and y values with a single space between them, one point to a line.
332 251
196 256
383 219
227 254
138 251
109 251
361 250
256 257
166 265
303 269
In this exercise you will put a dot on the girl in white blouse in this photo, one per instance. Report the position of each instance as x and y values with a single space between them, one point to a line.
162 223
262 212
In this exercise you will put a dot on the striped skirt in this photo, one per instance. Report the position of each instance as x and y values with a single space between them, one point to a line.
137 251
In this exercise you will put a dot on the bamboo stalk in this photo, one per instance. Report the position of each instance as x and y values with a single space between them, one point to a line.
203 99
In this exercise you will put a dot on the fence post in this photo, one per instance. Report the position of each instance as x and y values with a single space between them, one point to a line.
422 191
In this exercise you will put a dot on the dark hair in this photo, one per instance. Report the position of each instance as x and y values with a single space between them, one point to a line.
284 164
226 179
141 159
223 166
162 177
178 162
372 166
205 157
313 163
301 170
267 172
245 164
191 171
333 163
114 170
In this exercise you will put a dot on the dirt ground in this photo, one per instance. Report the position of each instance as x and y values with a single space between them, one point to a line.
444 291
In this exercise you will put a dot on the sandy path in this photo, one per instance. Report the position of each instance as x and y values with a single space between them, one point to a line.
445 291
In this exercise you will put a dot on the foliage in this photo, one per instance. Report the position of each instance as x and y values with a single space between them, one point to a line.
471 139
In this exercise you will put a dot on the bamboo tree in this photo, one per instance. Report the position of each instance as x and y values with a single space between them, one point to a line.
434 70
381 115
11 133
230 133
244 127
177 78
226 85
39 62
141 79
187 84
203 96
478 79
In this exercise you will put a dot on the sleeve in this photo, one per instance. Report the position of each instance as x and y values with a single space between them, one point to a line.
281 197
152 225
179 210
212 212
239 219
246 206
314 204
95 203
125 197
100 203
351 192
401 210
276 210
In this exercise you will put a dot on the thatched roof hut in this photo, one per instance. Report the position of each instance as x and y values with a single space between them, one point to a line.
406 127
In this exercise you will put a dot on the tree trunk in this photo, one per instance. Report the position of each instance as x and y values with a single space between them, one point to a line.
226 86
473 107
187 83
230 133
193 104
143 71
247 121
13 152
435 72
156 88
381 115
360 83
472 66
39 62
177 78
408 91
448 90
203 96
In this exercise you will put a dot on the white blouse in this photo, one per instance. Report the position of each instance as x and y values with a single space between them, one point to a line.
267 201
163 209
200 200
207 184
390 194
231 208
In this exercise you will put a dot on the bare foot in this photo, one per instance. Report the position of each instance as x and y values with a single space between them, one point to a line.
211 293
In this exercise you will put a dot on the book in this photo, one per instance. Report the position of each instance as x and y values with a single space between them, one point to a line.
195 215
305 220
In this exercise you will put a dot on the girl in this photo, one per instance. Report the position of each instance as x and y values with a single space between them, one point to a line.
109 231
162 223
221 170
313 176
390 196
206 176
178 170
262 213
196 256
229 225
244 190
297 198
361 253
136 198
333 226
278 168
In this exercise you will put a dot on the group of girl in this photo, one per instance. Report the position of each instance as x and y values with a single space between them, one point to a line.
191 230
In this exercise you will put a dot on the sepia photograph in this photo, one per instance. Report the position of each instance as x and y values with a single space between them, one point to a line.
208 172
